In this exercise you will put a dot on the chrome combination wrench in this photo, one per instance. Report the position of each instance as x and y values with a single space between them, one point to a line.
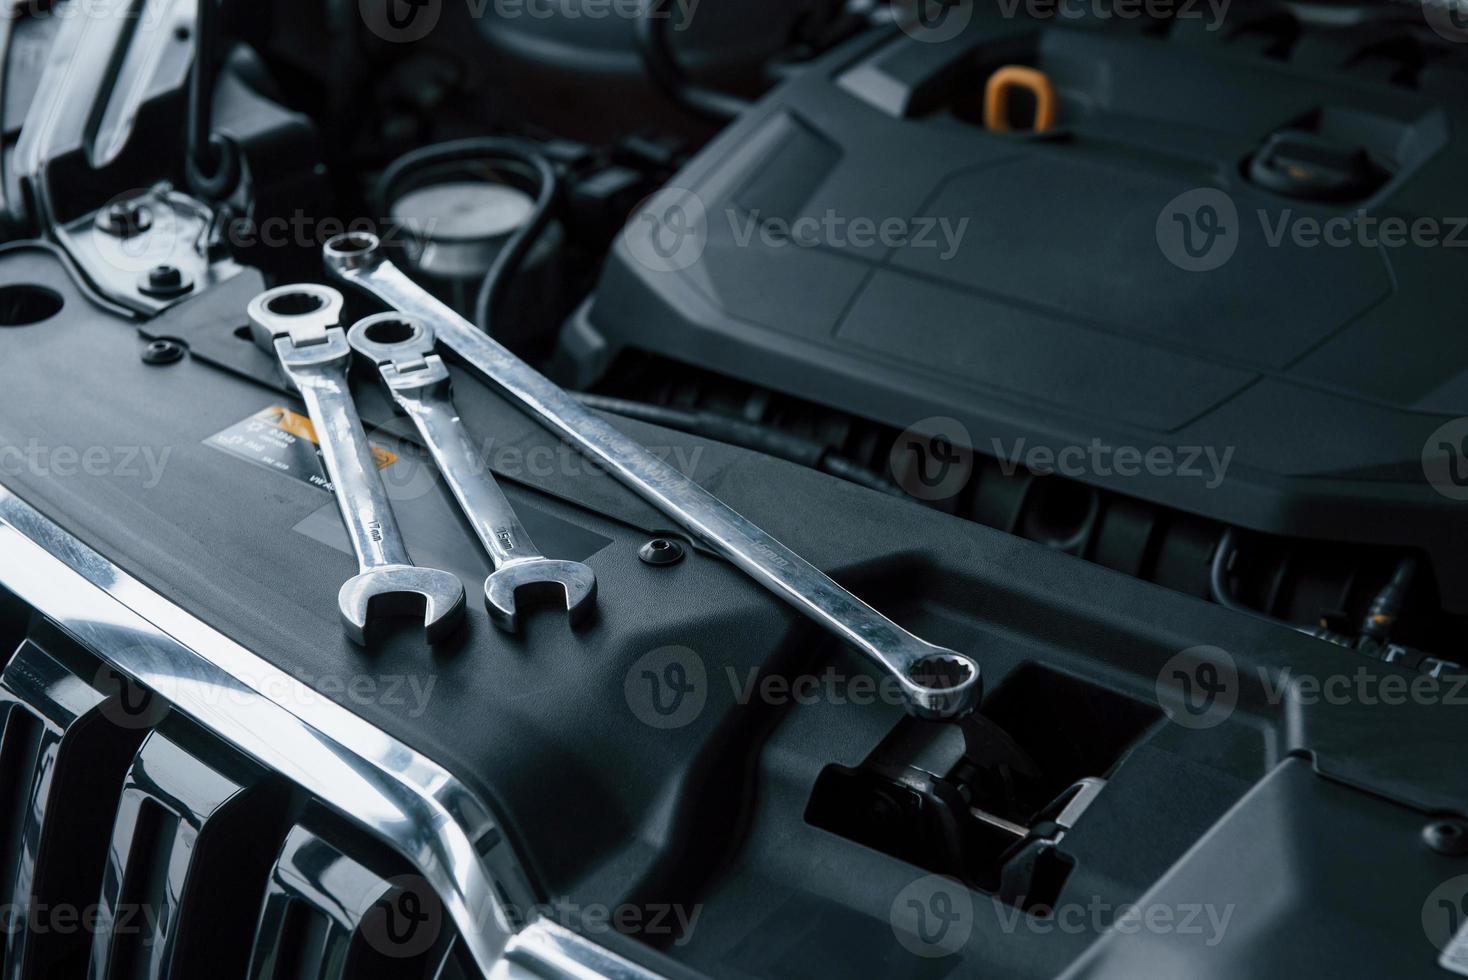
300 326
402 349
937 682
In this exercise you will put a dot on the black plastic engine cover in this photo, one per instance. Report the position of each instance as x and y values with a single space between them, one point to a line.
1118 281
611 804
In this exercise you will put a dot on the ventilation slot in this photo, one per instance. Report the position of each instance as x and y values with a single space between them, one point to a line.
142 896
300 951
18 748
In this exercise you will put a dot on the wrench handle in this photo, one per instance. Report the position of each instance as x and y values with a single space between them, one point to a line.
350 466
480 498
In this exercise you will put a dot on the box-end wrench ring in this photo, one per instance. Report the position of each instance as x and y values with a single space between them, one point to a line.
299 324
936 682
403 349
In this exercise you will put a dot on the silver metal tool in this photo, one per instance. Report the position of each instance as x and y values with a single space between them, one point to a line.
418 381
299 324
937 682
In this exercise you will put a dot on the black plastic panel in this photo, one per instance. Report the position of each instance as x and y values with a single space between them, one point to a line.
1053 315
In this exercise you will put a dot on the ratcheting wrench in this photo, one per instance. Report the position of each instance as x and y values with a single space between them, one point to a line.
418 381
937 682
299 324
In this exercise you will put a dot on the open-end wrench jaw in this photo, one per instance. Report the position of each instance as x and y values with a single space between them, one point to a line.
541 580
402 590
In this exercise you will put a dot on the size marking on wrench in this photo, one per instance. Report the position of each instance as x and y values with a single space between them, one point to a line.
402 348
299 324
937 682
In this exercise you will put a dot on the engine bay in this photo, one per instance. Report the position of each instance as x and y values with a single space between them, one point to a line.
1099 391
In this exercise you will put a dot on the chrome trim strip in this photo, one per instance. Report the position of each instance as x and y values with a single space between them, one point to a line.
409 802
546 951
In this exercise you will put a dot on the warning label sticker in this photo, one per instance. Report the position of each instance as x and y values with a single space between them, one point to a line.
285 442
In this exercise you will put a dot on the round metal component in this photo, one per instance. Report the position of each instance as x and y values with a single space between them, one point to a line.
303 312
661 551
455 229
388 337
351 251
125 220
1448 837
164 282
163 351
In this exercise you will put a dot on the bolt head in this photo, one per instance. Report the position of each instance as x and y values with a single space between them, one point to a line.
164 282
125 219
661 551
163 351
165 276
1447 836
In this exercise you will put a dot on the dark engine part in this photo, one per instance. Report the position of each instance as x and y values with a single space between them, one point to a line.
1063 316
568 67
1330 589
593 51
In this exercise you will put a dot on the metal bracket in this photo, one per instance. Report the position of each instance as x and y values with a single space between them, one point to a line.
148 249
